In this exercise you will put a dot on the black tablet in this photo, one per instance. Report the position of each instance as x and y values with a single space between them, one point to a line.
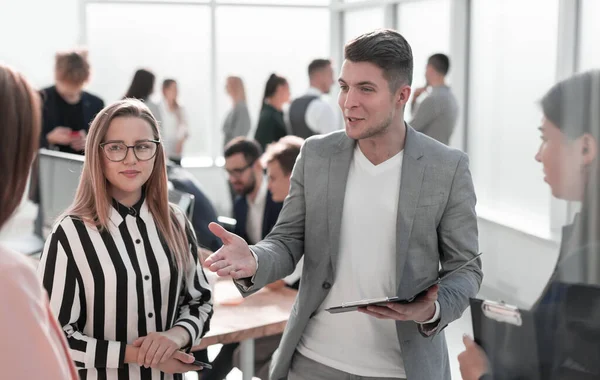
353 306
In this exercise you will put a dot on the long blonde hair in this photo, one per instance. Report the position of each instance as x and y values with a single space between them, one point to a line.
93 203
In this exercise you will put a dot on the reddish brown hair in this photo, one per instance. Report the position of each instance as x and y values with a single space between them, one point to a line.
72 67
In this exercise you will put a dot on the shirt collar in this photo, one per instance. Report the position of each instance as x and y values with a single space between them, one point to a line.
314 91
119 211
261 196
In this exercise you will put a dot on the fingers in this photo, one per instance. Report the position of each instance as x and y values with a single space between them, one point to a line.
138 342
211 259
168 354
163 353
239 274
183 357
432 293
144 350
220 232
468 342
387 312
151 353
372 313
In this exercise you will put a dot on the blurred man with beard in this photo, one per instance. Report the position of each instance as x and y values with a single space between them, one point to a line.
254 209
256 213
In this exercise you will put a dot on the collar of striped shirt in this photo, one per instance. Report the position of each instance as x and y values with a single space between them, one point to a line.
119 211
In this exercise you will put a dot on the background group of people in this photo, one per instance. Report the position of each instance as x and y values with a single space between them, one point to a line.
121 289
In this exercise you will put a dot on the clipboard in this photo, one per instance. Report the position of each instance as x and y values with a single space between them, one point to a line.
508 336
353 306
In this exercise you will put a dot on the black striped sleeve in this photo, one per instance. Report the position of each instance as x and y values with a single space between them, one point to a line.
196 308
61 278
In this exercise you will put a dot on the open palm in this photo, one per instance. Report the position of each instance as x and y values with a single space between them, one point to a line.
234 258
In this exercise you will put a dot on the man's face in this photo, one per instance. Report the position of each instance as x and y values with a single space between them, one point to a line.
71 93
279 182
242 174
366 100
327 79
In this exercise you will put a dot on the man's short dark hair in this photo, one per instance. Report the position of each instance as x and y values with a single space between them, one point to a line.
386 49
285 151
440 63
318 64
249 148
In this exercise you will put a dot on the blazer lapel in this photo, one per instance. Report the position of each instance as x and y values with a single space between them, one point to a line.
339 165
410 189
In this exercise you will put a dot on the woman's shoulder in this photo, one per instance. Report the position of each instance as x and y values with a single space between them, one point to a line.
17 275
68 223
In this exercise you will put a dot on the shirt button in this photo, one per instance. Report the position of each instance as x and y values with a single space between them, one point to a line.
326 285
150 315
138 241
146 277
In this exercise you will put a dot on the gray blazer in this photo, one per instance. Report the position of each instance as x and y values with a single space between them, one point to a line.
436 224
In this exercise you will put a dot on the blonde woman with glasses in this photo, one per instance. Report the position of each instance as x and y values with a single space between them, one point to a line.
121 264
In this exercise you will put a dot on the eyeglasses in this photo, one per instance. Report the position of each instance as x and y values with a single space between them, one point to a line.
237 172
117 151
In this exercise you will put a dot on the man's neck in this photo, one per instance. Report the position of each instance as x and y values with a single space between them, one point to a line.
254 193
317 87
381 148
438 82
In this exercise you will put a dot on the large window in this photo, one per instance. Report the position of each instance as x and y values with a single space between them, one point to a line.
426 27
512 65
281 44
177 41
589 53
173 41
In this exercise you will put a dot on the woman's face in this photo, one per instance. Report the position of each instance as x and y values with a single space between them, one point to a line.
171 92
127 176
230 87
566 162
282 94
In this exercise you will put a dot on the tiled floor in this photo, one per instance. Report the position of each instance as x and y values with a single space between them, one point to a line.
22 222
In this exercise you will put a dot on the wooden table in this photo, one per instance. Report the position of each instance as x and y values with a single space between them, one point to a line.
240 320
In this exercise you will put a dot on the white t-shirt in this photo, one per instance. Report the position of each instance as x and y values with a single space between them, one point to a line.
256 213
355 342
320 116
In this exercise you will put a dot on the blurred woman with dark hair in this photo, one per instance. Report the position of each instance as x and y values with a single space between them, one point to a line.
141 87
271 126
566 315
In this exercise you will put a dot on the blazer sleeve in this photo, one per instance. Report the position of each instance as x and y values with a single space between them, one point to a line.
283 247
458 242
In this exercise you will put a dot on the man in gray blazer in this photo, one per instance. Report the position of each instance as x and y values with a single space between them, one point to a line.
374 210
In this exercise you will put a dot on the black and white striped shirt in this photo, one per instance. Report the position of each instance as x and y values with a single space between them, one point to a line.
109 288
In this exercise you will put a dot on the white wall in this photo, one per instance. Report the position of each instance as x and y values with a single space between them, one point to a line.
31 36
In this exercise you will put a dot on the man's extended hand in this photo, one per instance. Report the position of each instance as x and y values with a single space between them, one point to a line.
420 310
234 258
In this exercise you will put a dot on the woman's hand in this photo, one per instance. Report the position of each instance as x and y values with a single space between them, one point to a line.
473 361
180 362
159 347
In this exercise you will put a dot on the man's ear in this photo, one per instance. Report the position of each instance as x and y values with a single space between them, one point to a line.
589 148
403 95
